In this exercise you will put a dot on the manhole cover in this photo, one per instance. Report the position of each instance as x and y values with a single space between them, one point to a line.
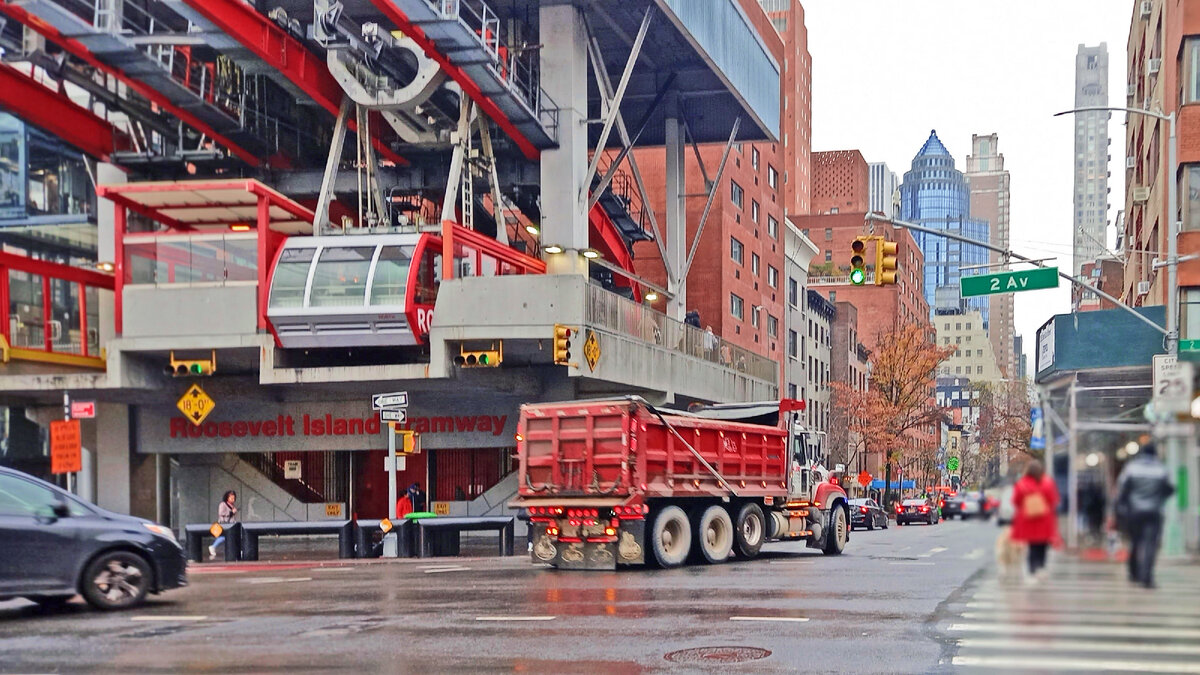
717 655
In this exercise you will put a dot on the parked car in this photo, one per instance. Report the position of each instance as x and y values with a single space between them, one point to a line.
1006 510
55 545
867 513
917 510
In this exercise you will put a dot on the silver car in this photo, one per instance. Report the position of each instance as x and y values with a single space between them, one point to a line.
1006 511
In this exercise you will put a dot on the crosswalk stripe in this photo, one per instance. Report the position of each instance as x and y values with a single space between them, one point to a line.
1076 630
1109 646
1097 606
1046 614
1041 663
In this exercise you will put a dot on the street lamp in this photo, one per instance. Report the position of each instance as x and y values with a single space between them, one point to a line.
1172 263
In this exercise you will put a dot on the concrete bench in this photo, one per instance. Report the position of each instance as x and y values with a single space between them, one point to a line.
364 540
344 529
194 536
440 536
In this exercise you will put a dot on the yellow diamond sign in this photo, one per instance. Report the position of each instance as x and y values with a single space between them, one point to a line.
591 349
195 405
216 530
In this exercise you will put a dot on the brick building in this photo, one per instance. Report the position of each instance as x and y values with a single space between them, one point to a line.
796 117
1107 274
849 362
990 200
840 182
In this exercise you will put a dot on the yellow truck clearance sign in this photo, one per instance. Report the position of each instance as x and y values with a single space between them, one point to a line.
195 405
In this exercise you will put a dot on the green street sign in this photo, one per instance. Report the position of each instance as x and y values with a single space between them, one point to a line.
1189 345
952 464
1009 282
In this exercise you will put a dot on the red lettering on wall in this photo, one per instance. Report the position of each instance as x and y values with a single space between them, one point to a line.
285 425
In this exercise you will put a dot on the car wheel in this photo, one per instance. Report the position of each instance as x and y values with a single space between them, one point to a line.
116 580
749 531
885 522
671 537
835 539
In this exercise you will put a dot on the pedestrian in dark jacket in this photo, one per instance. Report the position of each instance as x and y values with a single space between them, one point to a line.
1142 489
1035 498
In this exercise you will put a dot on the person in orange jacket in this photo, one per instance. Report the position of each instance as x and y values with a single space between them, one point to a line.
403 506
1036 523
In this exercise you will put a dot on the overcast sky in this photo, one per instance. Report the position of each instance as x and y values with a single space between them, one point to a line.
886 72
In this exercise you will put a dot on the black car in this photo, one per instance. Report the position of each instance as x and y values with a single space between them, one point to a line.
52 546
917 511
866 513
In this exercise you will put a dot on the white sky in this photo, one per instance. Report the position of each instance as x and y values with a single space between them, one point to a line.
885 72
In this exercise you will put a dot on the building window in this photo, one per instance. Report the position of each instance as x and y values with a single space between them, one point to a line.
772 227
1189 195
978 370
736 250
793 292
829 234
1189 321
793 344
772 326
754 318
754 210
833 296
772 277
754 158
1191 70
736 306
736 194
828 256
968 325
772 177
754 263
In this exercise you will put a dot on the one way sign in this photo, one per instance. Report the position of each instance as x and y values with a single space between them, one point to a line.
397 399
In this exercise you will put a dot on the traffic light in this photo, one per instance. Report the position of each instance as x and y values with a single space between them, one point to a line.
885 262
858 271
192 367
562 344
408 442
480 358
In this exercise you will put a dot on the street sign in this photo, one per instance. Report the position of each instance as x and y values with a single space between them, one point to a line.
1172 385
952 464
195 405
441 508
291 469
1189 345
864 479
1009 282
401 463
83 410
333 510
591 349
66 454
397 399
1037 436
398 415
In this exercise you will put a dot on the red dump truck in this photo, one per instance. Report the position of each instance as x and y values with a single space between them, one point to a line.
620 482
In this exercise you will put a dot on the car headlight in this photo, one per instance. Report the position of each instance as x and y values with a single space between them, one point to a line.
161 531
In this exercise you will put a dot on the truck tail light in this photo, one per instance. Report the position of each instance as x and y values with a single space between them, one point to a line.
552 531
610 531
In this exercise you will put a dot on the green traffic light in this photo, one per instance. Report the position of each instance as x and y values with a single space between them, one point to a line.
483 359
857 277
196 369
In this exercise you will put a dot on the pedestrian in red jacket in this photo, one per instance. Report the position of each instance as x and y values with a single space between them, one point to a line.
1036 523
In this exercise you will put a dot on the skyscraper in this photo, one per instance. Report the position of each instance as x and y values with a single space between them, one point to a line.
934 194
989 184
1091 156
795 129
884 184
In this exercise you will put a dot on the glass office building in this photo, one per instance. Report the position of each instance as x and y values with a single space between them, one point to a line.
935 194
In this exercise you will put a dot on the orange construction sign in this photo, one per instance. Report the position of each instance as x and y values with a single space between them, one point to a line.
864 479
66 448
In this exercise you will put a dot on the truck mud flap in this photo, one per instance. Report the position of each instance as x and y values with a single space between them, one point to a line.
627 550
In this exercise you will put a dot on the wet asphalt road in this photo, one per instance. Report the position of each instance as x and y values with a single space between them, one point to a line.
872 610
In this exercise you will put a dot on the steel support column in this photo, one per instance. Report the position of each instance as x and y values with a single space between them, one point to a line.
676 214
564 79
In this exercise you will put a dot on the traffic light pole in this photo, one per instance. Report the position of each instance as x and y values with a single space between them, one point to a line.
1010 254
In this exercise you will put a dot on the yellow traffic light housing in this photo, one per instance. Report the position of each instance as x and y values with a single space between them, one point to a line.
885 262
408 442
480 358
858 271
562 344
192 367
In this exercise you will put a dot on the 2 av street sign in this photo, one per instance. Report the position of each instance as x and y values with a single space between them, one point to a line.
1009 282
398 399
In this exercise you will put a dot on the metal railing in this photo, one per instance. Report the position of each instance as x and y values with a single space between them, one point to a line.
613 312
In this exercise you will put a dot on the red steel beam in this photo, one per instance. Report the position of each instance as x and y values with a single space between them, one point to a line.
57 114
282 52
457 74
76 49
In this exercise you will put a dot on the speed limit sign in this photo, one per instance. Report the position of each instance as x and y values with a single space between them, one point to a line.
1172 384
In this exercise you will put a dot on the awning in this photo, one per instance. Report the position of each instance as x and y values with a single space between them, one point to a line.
210 204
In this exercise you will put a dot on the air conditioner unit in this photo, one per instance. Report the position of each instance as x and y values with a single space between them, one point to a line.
1131 91
1141 194
1153 66
1147 8
1130 162
1143 287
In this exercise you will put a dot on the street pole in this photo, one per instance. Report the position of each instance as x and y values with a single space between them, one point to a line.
390 430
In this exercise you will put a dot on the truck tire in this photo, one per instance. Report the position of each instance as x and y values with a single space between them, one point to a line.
749 531
671 537
714 534
835 539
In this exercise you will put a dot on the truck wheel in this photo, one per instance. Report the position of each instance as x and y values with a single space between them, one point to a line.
714 534
749 531
835 540
671 538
